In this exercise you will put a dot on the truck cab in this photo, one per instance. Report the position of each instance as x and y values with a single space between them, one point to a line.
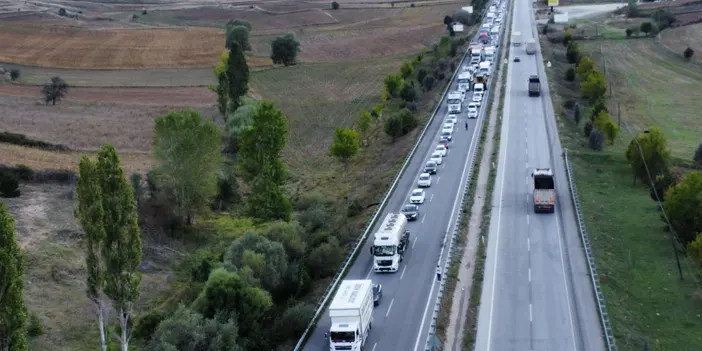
464 79
455 102
351 313
544 190
389 243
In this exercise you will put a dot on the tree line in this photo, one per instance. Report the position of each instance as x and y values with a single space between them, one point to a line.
648 154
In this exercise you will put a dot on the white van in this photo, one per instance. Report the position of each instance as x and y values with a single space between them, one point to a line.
479 87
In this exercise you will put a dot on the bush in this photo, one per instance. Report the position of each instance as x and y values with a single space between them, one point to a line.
421 73
682 205
663 182
694 249
9 185
596 139
400 124
441 76
452 66
35 327
573 52
629 31
570 74
143 12
687 54
354 208
567 38
408 91
569 104
14 74
698 155
62 12
587 129
545 30
22 140
428 82
335 5
146 324
576 114
442 64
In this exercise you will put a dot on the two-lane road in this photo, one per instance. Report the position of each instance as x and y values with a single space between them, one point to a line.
402 319
528 297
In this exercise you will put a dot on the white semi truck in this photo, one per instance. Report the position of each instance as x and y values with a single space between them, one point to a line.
516 38
351 314
464 79
531 47
455 102
390 243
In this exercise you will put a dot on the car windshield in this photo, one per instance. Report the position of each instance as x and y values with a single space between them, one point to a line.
409 208
417 193
386 250
440 148
343 337
454 101
446 134
431 164
424 177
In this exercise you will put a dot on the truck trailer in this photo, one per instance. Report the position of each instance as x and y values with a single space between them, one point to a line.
534 86
390 243
544 190
351 313
531 47
516 38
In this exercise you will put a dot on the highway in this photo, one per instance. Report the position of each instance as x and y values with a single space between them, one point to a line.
537 294
401 320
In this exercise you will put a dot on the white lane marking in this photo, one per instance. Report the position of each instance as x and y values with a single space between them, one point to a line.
437 180
403 271
527 219
414 242
423 217
431 198
529 275
374 345
528 244
505 122
530 315
389 307
473 142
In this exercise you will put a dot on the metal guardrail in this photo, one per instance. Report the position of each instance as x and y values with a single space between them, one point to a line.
456 230
351 257
604 317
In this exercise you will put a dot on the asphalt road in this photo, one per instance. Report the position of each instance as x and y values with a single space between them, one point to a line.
537 294
401 320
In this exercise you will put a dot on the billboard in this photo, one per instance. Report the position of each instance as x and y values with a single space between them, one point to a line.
552 2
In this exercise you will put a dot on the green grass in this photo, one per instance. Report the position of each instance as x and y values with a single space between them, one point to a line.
633 252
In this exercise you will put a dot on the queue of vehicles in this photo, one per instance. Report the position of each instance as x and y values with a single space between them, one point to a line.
351 310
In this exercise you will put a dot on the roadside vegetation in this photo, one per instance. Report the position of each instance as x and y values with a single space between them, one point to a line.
239 235
626 119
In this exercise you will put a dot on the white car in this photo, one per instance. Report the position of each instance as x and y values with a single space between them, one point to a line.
465 68
436 157
417 196
448 124
472 113
477 98
451 118
442 149
424 180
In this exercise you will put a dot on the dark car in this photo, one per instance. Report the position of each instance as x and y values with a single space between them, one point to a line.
377 294
517 59
430 167
444 141
411 212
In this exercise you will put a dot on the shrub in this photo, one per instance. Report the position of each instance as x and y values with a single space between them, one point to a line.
687 54
570 74
354 208
596 139
682 205
412 106
14 74
441 76
400 123
442 64
9 185
698 155
143 12
135 17
569 104
62 12
629 31
452 66
694 249
335 5
408 91
576 114
646 27
587 129
545 30
567 38
573 52
428 82
663 182
421 73
35 327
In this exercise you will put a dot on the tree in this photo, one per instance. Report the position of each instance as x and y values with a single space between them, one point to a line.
611 131
237 76
187 330
632 9
334 5
238 22
573 52
408 91
600 121
14 74
698 155
267 202
54 90
62 12
266 259
239 121
393 82
428 82
570 74
222 91
646 27
284 50
629 32
187 148
576 114
567 38
585 66
594 86
13 312
452 33
648 155
688 53
694 249
400 123
448 20
91 216
364 121
596 139
121 245
587 129
406 69
344 145
683 205
463 17
9 185
240 35
599 106
663 18
421 73
323 260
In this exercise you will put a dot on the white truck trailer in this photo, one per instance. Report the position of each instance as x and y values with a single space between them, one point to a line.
516 38
531 47
390 243
464 79
351 314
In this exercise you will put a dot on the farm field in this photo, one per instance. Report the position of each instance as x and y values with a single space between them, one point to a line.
679 39
635 260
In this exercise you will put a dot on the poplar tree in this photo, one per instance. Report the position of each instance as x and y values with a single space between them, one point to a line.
237 75
91 216
13 312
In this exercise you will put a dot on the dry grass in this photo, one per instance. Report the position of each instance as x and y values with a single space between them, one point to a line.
54 281
679 39
75 47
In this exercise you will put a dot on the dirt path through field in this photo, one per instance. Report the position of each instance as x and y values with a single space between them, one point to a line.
189 96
